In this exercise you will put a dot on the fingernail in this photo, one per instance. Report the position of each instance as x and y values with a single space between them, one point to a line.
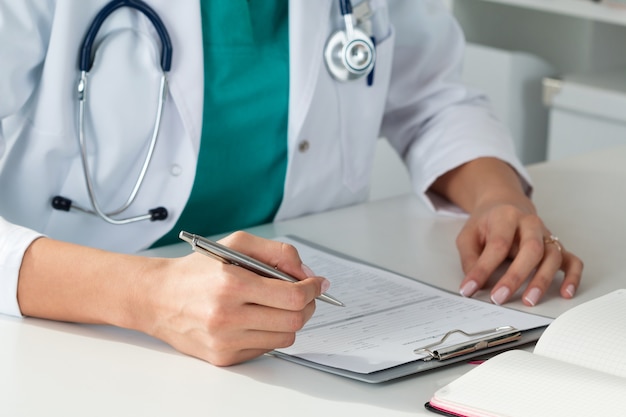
307 271
469 288
500 296
325 285
570 290
533 296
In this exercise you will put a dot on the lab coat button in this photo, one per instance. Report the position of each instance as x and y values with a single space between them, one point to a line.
176 170
303 146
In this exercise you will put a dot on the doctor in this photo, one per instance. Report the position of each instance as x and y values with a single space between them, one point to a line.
214 116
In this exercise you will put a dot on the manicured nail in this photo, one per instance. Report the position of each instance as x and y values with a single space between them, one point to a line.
469 288
325 285
533 296
307 271
500 296
570 290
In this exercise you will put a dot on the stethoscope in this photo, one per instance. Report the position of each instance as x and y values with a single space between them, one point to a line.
349 54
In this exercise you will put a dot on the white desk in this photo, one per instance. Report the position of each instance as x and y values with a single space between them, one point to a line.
58 369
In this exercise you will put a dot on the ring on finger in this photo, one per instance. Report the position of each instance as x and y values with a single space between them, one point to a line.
555 241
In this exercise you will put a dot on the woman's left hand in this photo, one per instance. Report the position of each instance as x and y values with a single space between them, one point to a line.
501 230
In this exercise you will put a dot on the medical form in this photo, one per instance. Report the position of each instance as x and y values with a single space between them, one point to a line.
387 318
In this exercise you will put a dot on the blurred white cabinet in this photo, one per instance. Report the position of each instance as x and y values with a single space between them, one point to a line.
512 45
587 112
513 82
583 41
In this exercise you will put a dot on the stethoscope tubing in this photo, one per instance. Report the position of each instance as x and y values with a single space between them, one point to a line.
86 62
352 44
85 161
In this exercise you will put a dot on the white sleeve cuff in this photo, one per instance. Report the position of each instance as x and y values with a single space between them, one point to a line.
14 240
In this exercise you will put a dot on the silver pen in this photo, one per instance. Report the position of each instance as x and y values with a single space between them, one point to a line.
231 256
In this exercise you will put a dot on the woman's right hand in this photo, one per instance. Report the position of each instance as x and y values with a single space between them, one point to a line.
225 314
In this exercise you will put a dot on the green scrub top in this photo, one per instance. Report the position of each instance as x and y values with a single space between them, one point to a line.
243 151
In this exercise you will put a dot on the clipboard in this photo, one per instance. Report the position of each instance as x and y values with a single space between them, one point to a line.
419 365
475 341
438 351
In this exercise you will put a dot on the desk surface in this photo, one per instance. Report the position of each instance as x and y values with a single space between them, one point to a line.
59 369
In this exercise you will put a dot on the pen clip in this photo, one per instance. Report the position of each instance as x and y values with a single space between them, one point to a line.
493 337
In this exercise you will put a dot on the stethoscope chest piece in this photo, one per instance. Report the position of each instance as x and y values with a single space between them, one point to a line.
349 55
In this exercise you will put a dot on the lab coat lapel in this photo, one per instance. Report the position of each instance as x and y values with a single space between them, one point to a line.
186 78
309 25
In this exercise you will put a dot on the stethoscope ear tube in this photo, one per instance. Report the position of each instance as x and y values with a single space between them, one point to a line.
85 61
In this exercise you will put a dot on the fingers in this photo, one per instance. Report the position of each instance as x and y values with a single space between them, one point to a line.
254 289
528 257
233 334
226 354
279 255
226 314
233 315
544 274
234 348
270 292
573 268
556 258
483 250
253 331
536 257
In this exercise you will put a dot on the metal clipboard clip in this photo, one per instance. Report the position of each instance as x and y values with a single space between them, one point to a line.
494 337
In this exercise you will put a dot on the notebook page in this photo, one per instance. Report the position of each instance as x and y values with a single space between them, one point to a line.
592 334
521 384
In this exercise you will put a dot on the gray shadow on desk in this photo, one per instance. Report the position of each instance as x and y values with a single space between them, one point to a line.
103 332
399 394
402 394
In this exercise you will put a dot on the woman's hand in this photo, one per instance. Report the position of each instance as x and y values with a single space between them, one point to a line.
221 313
499 231
504 224
226 314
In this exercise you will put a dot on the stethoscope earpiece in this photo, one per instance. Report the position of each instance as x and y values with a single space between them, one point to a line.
65 204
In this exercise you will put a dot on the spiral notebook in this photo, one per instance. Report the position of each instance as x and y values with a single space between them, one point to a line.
578 368
393 325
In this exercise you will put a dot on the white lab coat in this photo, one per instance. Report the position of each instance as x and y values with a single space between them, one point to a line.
416 102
